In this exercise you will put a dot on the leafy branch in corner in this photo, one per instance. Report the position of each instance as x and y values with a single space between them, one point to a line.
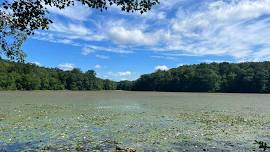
21 18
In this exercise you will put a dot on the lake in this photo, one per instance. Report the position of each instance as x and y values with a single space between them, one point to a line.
142 121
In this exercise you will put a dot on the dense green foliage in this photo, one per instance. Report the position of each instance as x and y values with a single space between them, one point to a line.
19 76
125 85
249 77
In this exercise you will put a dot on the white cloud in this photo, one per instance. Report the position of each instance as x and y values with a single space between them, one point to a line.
45 36
161 15
168 4
102 56
223 28
74 31
161 67
133 36
180 64
98 66
124 74
163 57
238 10
235 28
68 33
66 67
77 12
215 61
36 63
93 48
87 50
262 55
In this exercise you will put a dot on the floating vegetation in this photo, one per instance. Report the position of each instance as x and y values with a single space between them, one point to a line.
2 117
130 121
262 145
119 149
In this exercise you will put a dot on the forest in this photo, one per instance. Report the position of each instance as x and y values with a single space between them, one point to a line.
20 76
248 77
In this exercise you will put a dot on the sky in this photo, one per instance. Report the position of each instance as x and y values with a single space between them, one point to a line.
122 46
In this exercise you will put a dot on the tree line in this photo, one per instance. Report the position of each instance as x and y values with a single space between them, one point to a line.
248 77
20 76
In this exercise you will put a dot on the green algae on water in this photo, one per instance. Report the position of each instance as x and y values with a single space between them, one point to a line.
142 121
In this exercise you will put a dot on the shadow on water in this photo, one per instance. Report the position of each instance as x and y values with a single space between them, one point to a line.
84 145
110 145
222 146
18 146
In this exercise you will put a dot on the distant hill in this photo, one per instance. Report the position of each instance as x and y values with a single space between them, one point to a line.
20 76
249 77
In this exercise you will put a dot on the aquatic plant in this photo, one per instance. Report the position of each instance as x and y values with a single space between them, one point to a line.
100 121
262 145
2 117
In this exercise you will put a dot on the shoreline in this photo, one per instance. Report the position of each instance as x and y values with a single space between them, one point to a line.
163 92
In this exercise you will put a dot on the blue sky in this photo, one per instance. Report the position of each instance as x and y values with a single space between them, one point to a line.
120 46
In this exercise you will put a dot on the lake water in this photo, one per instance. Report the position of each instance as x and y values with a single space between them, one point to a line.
145 121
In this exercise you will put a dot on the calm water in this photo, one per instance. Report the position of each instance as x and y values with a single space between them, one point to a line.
145 121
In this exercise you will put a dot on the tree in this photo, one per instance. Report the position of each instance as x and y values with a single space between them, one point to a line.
11 39
125 85
109 85
28 82
223 77
205 79
20 18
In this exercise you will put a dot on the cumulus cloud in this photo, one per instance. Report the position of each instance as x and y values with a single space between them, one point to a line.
235 28
179 65
161 67
220 28
121 75
133 36
97 66
36 63
66 66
